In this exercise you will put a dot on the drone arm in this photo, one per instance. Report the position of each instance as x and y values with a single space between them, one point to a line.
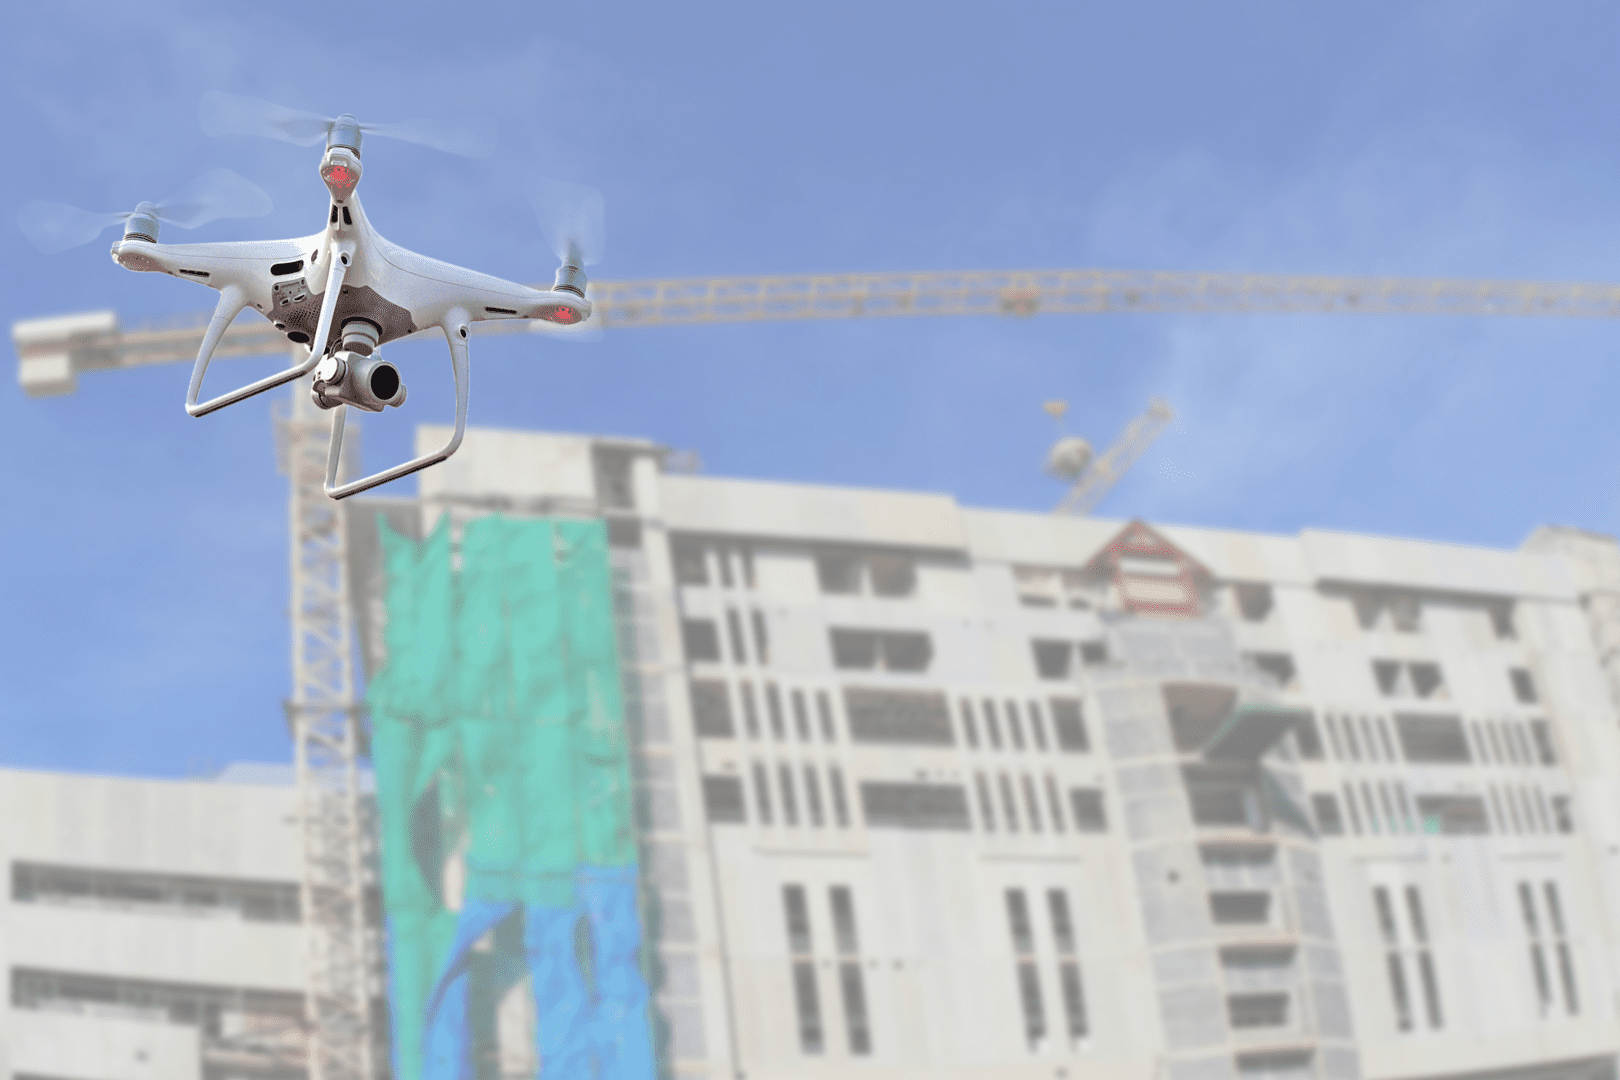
232 299
454 326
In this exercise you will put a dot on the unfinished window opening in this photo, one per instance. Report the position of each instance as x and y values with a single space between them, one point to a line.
790 801
900 804
711 709
1037 729
1069 725
1566 963
1432 740
1053 659
615 488
806 999
1015 726
1524 686
723 800
1276 666
857 1028
1332 723
1054 804
1032 804
1257 1010
773 709
762 794
812 796
1222 796
1427 681
905 717
992 726
1351 743
1502 621
1254 600
734 635
970 730
824 714
892 575
1385 741
1425 960
1538 960
701 639
1391 678
1094 653
1326 808
690 559
881 650
1453 815
1393 962
1087 807
174 894
1405 613
1037 588
1541 737
987 809
840 801
1307 739
762 637
1240 907
1562 814
1196 712
839 573
750 710
1009 804
801 717
1350 806
1027 976
1074 997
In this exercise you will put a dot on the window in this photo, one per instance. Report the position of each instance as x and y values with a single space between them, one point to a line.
1054 802
1278 667
762 794
857 1028
917 718
711 709
1425 960
255 901
1015 727
739 654
1427 682
881 650
1069 725
1032 804
801 717
1562 815
1234 907
835 784
1453 815
701 639
805 997
773 709
1094 653
1042 587
790 802
1087 804
1220 796
1405 613
911 805
987 808
762 638
1566 963
1432 740
750 710
1027 976
1541 736
1538 959
846 573
1419 680
1053 659
1254 601
1502 621
1393 960
723 800
275 1017
839 572
1009 805
1257 1010
824 714
1307 738
1074 997
970 730
1326 809
691 565
1196 712
812 795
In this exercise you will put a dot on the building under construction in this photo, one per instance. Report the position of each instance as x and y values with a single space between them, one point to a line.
686 776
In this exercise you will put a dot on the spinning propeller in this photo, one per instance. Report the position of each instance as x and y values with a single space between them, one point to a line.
571 219
218 193
234 114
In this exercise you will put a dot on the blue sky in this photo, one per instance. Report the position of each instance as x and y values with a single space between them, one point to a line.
145 586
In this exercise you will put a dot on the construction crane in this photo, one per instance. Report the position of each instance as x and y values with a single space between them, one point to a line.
52 353
1092 477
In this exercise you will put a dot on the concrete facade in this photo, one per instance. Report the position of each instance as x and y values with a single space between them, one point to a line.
929 791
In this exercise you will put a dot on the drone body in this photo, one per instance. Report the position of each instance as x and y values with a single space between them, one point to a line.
344 292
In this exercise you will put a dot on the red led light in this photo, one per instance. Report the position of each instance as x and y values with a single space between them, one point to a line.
566 314
340 176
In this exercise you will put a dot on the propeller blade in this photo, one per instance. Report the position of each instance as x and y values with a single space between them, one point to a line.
472 137
54 227
236 114
570 215
217 193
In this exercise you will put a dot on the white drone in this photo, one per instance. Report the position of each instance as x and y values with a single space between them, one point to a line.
344 291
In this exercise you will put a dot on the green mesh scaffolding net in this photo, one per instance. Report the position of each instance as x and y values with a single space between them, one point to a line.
504 803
